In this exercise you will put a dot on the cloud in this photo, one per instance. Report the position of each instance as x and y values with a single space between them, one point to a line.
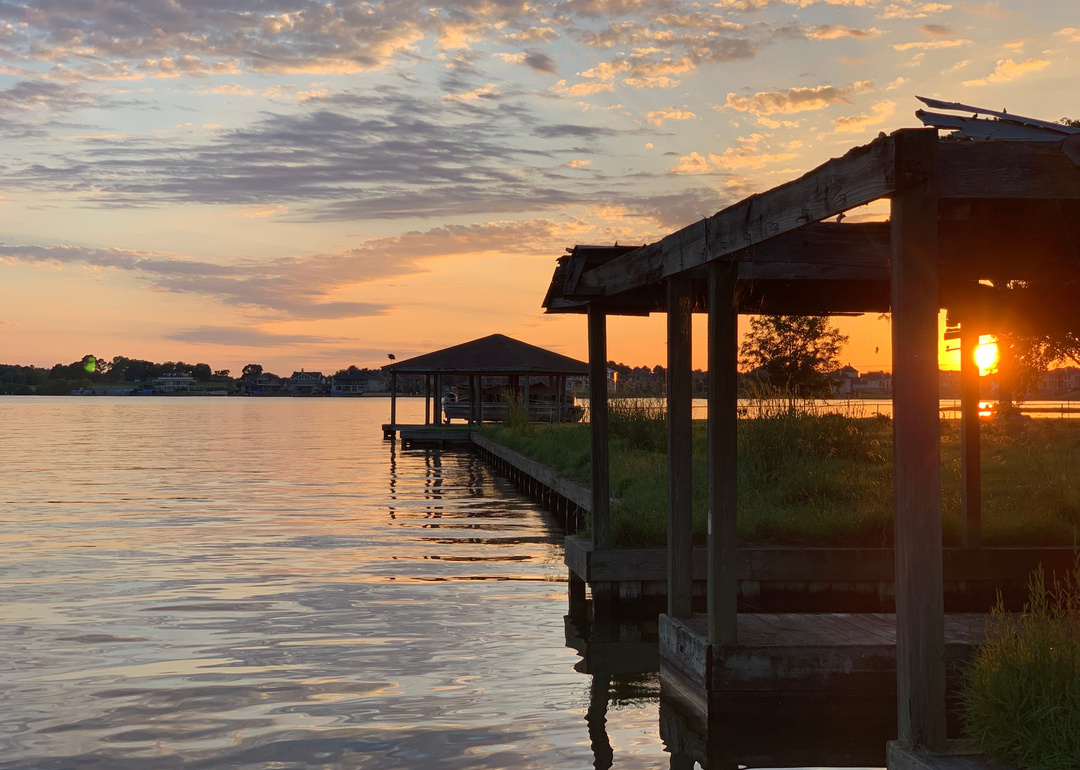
303 287
926 45
798 99
936 30
380 153
658 117
1072 34
836 31
1007 70
248 337
878 114
913 10
748 153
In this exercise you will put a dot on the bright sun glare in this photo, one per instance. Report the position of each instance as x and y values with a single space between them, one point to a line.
986 356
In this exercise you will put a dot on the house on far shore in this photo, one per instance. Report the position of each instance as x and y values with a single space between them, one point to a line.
355 381
303 383
174 382
842 380
265 384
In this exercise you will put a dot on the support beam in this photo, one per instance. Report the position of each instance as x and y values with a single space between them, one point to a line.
680 451
920 617
862 175
598 429
438 399
722 463
393 398
427 399
970 450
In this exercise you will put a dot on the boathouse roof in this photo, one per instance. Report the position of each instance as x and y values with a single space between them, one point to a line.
494 354
1008 214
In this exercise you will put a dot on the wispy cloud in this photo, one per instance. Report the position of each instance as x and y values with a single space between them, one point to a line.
797 99
1007 70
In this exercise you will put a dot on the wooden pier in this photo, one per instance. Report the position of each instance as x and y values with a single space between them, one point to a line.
428 435
962 215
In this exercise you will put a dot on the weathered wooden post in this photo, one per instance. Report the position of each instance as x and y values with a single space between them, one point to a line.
680 585
598 429
393 400
438 400
427 399
970 451
723 449
920 615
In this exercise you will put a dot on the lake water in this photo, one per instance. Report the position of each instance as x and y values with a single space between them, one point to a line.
266 583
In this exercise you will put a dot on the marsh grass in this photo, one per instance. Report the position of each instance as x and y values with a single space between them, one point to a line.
808 478
1021 694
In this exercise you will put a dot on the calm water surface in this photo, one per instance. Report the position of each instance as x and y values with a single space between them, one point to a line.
265 583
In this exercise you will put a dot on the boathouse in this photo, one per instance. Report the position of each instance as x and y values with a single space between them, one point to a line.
967 219
484 374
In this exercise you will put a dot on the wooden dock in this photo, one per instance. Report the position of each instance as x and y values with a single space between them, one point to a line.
799 652
428 435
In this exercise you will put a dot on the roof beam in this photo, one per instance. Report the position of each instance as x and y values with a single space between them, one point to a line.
1012 169
862 175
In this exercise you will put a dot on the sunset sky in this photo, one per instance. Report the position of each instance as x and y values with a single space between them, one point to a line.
314 185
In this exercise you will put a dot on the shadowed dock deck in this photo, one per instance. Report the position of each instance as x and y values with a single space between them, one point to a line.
800 652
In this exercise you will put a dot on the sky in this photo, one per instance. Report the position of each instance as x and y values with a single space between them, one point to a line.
313 185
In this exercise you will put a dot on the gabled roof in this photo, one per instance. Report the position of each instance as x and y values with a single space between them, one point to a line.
495 354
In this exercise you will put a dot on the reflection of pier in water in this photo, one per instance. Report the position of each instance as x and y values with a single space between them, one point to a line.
733 729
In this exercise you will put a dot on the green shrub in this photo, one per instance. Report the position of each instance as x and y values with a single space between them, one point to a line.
1022 692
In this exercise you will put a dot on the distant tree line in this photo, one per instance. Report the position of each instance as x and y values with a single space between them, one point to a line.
93 372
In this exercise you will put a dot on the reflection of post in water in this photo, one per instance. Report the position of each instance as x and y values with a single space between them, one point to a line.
433 481
596 719
393 477
475 475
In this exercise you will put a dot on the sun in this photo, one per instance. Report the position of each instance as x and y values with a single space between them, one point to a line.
986 355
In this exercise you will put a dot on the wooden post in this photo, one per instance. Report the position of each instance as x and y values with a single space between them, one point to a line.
723 447
438 400
393 398
598 429
427 399
970 451
680 587
920 616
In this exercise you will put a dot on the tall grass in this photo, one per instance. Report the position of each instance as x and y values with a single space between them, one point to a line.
808 478
1022 692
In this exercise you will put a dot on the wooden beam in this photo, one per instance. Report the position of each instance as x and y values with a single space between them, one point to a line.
393 398
863 175
1044 170
920 616
970 451
598 429
722 429
680 449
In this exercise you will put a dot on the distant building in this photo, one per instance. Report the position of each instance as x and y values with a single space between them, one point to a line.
264 384
873 384
842 379
174 382
307 383
1058 382
358 381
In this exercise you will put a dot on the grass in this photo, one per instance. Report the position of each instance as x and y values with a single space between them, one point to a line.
824 479
1022 692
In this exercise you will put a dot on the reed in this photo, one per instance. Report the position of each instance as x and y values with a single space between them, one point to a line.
811 478
1021 695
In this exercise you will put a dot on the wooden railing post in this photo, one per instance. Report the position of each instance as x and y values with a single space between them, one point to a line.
920 616
723 447
680 586
598 429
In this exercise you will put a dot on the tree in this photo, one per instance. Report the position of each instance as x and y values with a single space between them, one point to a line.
796 352
251 370
201 372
